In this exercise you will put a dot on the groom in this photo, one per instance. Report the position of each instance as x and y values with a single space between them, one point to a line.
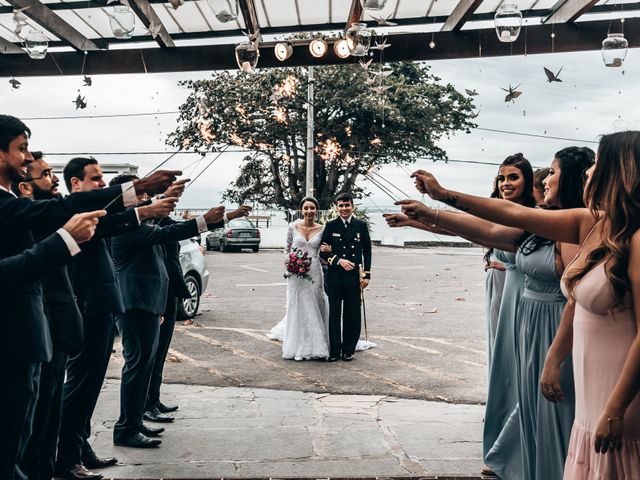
350 252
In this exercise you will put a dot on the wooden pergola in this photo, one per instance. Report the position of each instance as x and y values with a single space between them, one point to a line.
192 38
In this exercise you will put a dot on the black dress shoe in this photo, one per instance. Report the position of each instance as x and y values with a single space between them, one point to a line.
332 359
162 408
137 440
347 358
150 431
92 461
154 415
77 472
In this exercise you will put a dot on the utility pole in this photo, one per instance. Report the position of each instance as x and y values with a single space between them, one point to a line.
310 134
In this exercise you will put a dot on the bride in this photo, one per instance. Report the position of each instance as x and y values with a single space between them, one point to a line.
304 328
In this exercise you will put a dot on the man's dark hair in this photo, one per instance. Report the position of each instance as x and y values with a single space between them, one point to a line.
344 197
75 168
37 156
122 178
10 129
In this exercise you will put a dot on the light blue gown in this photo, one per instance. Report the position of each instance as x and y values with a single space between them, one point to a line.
501 436
493 287
545 426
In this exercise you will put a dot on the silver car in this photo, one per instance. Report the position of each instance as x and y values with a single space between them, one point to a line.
196 276
239 233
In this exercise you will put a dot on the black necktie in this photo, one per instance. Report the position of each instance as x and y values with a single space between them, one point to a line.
346 225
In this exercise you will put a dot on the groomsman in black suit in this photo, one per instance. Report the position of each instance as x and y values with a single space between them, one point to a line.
349 272
25 343
139 261
99 299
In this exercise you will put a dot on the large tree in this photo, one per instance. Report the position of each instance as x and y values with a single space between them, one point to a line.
364 118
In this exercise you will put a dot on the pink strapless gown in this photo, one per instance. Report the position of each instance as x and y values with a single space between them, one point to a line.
600 347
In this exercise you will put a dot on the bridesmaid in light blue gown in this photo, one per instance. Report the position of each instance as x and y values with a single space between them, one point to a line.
493 286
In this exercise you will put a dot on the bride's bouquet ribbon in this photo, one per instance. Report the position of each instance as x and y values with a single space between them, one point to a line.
298 264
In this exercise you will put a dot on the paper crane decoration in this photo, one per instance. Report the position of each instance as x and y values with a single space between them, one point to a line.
154 29
474 114
471 93
80 102
366 64
512 94
384 21
87 81
550 75
176 3
380 46
15 84
380 89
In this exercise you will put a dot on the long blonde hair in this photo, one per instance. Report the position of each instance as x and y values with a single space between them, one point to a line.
614 199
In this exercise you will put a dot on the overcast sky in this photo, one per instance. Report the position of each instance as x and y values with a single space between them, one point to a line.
591 100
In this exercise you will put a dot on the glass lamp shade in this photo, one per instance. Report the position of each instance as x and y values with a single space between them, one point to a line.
614 49
122 21
341 48
373 4
318 47
282 51
358 39
508 20
247 55
36 44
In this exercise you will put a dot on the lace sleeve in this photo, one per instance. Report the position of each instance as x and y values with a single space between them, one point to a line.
289 243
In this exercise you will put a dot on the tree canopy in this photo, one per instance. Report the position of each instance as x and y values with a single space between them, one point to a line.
365 117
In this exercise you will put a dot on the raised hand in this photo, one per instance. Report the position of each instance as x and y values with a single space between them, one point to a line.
241 211
82 226
159 208
427 183
177 188
215 215
157 182
397 220
416 210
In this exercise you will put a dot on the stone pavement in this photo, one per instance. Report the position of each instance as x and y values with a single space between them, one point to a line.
251 432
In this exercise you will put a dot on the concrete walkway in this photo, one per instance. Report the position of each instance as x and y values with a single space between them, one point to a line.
247 432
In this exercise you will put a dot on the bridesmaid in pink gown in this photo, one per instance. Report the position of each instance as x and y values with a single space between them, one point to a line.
603 283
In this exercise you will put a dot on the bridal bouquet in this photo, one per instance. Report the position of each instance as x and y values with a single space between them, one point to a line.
298 264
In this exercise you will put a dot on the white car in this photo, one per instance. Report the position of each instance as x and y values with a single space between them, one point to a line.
196 276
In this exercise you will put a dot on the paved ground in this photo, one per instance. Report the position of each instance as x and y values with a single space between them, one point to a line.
412 405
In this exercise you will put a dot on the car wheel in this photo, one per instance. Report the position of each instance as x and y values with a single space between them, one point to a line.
209 247
223 247
188 307
255 249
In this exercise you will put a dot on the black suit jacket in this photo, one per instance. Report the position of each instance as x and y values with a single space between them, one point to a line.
139 261
177 286
25 333
354 245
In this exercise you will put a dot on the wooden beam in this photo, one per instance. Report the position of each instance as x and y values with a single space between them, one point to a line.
45 17
355 14
148 16
6 47
464 9
250 16
573 37
569 11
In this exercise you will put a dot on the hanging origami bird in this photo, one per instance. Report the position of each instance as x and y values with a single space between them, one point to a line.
512 93
80 102
176 3
384 21
366 64
380 89
15 84
474 114
380 46
87 81
154 29
471 93
550 76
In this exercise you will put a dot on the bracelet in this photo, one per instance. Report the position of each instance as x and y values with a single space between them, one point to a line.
435 219
609 420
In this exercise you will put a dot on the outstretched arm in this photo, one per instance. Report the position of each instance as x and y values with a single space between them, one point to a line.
568 225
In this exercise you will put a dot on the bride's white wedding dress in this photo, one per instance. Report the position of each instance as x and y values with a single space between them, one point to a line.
304 328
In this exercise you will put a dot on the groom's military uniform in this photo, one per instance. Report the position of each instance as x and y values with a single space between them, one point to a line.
349 241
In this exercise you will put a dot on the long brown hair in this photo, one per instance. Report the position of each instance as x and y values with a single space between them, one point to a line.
614 198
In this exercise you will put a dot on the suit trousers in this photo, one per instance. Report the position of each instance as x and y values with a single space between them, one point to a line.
344 311
166 333
17 404
140 331
85 375
39 458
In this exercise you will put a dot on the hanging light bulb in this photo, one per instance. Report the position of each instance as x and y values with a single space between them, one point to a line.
247 55
341 48
282 51
318 47
358 39
508 20
432 44
122 22
224 11
373 4
614 49
36 44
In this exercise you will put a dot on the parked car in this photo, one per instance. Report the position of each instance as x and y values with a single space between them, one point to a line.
196 276
238 233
